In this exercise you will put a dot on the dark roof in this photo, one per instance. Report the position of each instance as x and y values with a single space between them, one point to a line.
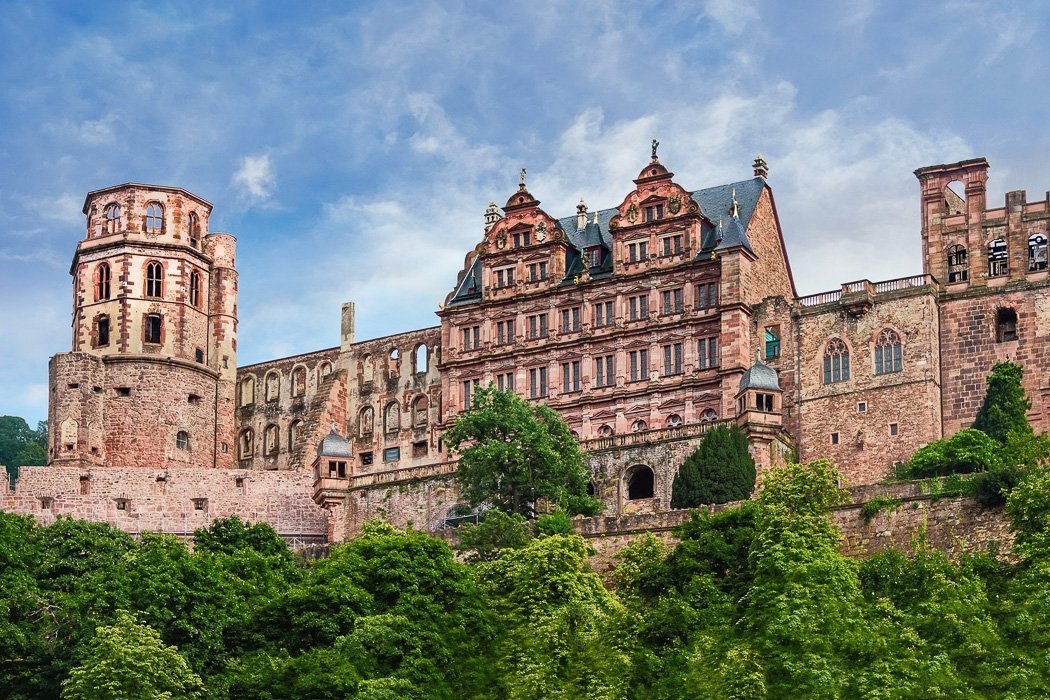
716 203
333 445
760 376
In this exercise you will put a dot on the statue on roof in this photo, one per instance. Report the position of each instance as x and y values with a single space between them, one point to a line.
656 144
521 182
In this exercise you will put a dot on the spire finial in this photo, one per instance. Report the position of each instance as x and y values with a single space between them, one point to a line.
760 166
736 207
521 182
333 428
595 217
656 144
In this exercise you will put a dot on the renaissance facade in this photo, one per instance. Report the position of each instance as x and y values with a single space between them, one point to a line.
643 324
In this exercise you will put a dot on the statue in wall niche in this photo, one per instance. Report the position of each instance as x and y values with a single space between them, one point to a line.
299 382
272 387
297 432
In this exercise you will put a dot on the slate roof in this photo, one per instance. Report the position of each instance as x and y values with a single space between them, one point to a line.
716 203
761 376
333 445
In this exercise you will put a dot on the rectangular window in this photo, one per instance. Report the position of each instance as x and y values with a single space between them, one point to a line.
672 359
707 295
505 381
472 338
522 239
570 319
153 328
103 332
603 314
505 332
638 307
671 244
671 301
469 387
603 371
834 438
538 382
639 364
537 326
893 428
654 212
764 402
391 454
772 342
504 277
537 271
366 459
862 407
637 251
570 376
707 353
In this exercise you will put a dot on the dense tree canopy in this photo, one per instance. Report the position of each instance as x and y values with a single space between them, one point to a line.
20 445
720 470
1005 407
512 454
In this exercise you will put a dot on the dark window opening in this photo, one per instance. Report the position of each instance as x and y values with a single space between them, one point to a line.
834 438
199 356
102 335
640 483
764 402
200 503
154 279
337 469
153 329
182 440
366 459
1005 325
1037 259
958 267
998 262
391 454
123 391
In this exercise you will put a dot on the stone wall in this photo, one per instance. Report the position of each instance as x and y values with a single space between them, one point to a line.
175 501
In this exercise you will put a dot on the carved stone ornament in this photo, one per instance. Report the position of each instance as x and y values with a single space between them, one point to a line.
632 213
501 240
674 203
541 232
615 222
694 207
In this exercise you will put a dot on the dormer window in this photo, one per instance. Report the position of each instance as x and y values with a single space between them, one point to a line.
594 256
522 239
654 212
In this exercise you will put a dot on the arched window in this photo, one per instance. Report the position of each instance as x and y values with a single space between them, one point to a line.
1036 252
273 386
271 443
640 482
182 440
674 420
194 226
154 217
708 415
958 267
836 361
295 433
394 361
246 445
367 369
605 431
998 262
112 221
198 355
247 391
299 381
366 421
154 280
639 425
392 418
195 289
153 329
325 370
888 352
103 276
419 412
102 331
1005 325
420 359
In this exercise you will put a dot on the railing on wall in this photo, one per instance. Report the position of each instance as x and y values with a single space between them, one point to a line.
408 474
648 436
861 285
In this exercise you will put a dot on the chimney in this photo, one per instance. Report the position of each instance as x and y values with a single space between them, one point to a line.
760 166
581 214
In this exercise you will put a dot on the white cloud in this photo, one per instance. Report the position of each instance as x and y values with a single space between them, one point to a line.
255 178
732 15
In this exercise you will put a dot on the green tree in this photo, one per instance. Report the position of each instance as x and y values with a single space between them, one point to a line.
496 531
21 445
967 451
720 470
128 660
512 454
1005 407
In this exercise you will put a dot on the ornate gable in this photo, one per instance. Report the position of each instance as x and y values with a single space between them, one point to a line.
656 197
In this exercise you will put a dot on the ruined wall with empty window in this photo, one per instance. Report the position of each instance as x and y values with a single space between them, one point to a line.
868 363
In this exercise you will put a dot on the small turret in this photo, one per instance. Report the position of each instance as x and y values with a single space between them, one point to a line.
760 166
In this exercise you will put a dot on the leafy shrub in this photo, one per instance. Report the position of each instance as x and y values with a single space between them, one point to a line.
965 452
990 489
720 470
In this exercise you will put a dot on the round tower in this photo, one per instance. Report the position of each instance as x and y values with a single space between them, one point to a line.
155 304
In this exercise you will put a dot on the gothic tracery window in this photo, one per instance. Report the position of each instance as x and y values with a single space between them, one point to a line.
154 217
958 265
836 361
154 280
195 289
112 220
1037 259
194 230
103 277
888 357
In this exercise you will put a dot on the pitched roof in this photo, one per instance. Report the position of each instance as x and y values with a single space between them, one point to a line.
760 376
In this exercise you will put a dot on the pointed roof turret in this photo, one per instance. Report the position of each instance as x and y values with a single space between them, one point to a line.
333 445
761 377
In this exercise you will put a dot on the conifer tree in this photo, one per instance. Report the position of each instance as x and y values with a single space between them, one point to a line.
1005 407
720 470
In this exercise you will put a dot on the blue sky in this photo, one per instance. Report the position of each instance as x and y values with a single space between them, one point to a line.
352 147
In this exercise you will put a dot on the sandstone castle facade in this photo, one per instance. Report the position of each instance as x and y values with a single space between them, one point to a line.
644 324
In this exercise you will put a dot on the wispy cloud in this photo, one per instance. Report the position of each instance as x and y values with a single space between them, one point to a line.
255 178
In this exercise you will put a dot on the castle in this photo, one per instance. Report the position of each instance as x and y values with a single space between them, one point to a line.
643 324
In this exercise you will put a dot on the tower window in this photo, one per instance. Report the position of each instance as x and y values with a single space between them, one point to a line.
1036 252
154 280
152 328
836 362
102 332
998 263
195 289
888 353
182 440
103 276
112 222
198 355
154 217
194 230
958 267
772 342
1005 325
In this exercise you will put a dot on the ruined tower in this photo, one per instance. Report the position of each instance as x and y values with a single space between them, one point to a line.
151 376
